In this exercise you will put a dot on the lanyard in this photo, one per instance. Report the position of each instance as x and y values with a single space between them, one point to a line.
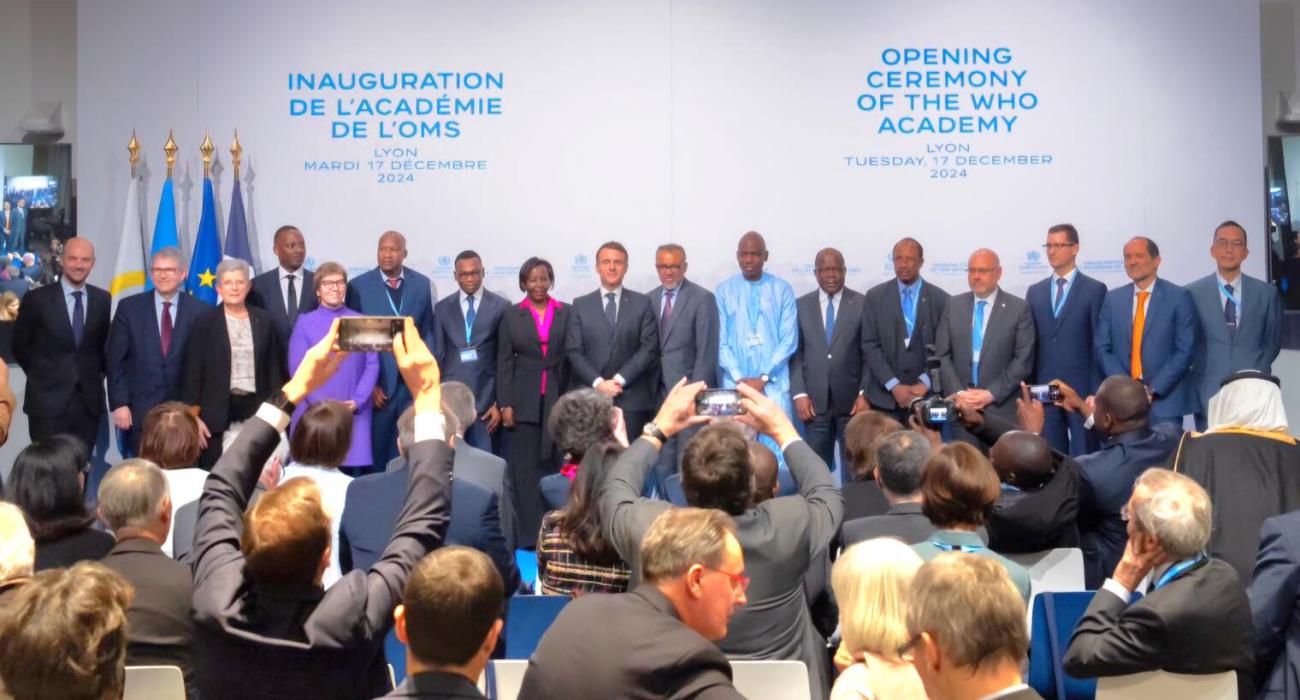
968 548
1178 570
397 310
469 327
1230 295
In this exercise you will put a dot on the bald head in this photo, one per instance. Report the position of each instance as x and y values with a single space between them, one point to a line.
983 272
1121 405
751 255
392 253
78 260
1022 459
763 462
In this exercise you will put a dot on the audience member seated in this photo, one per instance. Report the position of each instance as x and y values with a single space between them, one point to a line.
899 459
1195 618
170 439
657 640
449 620
871 580
374 501
782 537
958 490
966 630
135 505
573 554
474 465
263 626
318 446
185 519
8 404
1248 463
17 551
1274 594
64 634
47 482
862 497
581 420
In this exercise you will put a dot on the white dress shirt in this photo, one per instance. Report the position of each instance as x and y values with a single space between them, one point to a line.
284 285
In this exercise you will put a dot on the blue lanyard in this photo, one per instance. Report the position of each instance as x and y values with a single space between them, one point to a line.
1178 570
469 327
968 548
397 310
1230 295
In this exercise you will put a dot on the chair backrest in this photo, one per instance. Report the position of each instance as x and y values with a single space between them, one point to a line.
395 655
527 619
771 680
673 489
154 683
505 678
1053 570
1162 685
1054 617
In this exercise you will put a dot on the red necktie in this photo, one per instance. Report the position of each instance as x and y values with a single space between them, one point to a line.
166 327
393 282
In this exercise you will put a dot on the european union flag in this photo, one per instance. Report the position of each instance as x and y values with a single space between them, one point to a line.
237 229
164 228
202 280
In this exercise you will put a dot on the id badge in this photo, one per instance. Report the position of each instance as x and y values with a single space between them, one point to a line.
468 355
755 339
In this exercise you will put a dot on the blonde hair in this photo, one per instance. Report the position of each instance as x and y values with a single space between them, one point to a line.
870 580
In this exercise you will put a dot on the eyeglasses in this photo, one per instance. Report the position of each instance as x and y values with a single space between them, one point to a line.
333 284
1229 243
165 270
981 270
469 274
739 582
1058 246
668 268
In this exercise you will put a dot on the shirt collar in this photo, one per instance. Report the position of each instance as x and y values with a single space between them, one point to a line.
158 298
958 538
1069 278
1236 284
285 273
1150 287
68 287
478 296
824 297
992 297
401 274
618 291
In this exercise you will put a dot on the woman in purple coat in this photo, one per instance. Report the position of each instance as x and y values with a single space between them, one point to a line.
357 375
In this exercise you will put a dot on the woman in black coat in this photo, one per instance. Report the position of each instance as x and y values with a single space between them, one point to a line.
48 483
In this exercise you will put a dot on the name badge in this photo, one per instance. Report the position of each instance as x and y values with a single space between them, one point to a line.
755 338
469 355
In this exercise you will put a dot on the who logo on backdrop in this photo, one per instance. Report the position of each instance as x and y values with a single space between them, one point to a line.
1033 263
581 266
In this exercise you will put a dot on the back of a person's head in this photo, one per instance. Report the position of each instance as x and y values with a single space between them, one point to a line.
870 580
323 435
133 494
900 460
451 601
451 425
286 534
45 483
170 437
580 517
971 610
679 538
958 486
458 400
716 472
17 548
64 635
580 420
860 437
762 460
1174 509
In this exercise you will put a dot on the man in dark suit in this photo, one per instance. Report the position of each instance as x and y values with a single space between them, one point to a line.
826 370
985 342
613 341
289 289
465 344
260 608
19 241
7 221
476 466
449 620
1194 619
1240 318
1274 594
900 459
1065 308
783 537
146 346
663 643
59 340
902 317
392 289
688 342
1147 330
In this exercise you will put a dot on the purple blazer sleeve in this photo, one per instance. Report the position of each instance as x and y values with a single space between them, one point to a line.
366 383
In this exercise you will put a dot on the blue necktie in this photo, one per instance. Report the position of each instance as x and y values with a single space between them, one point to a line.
830 320
909 310
611 311
1230 308
78 318
1060 297
469 318
977 341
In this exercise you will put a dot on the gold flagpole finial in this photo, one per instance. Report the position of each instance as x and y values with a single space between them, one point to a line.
134 148
206 148
170 149
235 152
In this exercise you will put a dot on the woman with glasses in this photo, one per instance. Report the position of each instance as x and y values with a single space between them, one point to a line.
870 581
48 483
354 382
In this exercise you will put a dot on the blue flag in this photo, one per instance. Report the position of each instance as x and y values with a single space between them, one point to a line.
237 229
202 280
164 228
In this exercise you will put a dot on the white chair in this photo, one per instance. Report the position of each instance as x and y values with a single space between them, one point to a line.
1161 685
771 680
154 683
506 678
1051 571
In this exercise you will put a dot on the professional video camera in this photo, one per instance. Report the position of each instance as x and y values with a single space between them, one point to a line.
933 410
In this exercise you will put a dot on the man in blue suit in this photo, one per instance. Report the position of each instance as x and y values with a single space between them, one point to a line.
465 344
1065 307
391 289
1147 330
146 346
1274 594
1241 318
19 242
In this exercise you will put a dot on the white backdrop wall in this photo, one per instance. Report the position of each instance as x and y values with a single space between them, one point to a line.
692 122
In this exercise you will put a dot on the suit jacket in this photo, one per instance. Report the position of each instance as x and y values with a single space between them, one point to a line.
58 370
863 499
488 471
629 349
520 363
781 538
267 296
302 642
158 620
648 654
139 375
904 521
368 294
436 685
1221 350
449 339
884 331
1197 623
1064 341
1168 341
186 519
1273 597
206 381
80 544
830 375
688 347
555 490
1006 356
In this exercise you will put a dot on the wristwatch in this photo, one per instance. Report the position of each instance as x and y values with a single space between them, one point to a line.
764 377
652 430
282 402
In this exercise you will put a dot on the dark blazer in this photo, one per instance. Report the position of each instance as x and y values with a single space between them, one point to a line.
488 471
1253 344
884 331
158 622
648 654
1060 338
368 294
688 347
449 339
1168 341
863 499
59 371
1197 623
830 376
435 685
1006 356
904 521
80 544
630 349
1024 522
555 490
302 642
267 296
139 375
520 362
1273 597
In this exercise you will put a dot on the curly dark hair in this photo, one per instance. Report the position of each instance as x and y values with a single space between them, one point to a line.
580 419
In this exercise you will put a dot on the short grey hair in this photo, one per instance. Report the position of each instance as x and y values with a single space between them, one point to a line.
900 457
458 399
406 427
1176 511
172 253
132 494
671 248
17 548
681 538
233 265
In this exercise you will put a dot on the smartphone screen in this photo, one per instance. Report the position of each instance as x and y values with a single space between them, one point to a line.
1045 393
718 402
369 333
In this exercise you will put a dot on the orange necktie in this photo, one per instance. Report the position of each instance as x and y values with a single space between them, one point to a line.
1139 324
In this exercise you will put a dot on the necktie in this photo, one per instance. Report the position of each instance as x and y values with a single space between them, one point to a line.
611 311
1060 297
830 320
667 315
469 318
977 341
395 291
1139 323
167 327
394 281
1230 308
909 310
78 318
293 300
